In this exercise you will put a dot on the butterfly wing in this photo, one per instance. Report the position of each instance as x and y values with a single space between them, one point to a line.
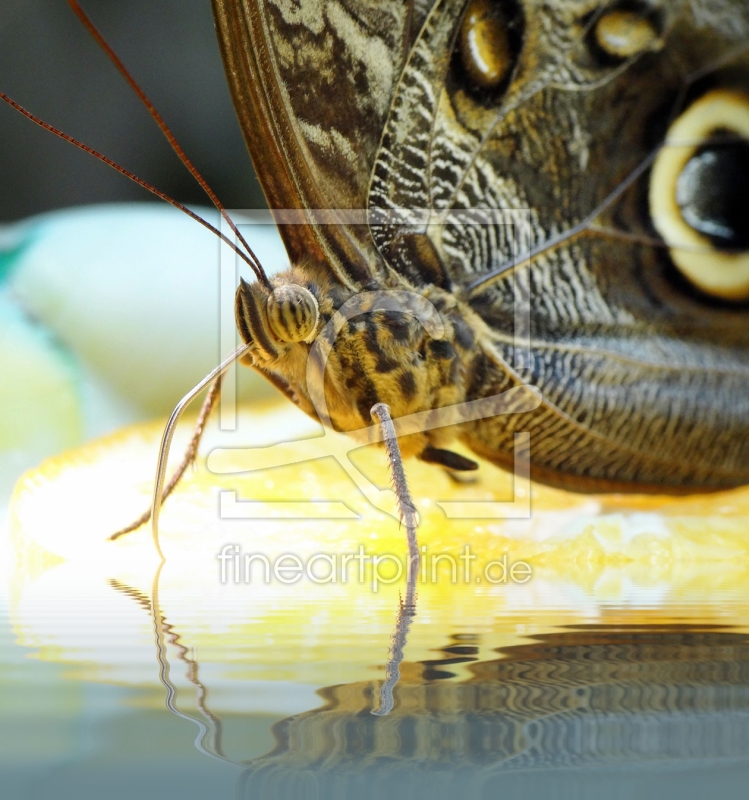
354 104
644 380
312 84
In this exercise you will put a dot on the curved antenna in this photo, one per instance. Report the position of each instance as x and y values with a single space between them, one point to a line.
115 166
168 435
159 120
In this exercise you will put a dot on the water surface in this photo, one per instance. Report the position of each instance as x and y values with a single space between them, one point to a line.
114 689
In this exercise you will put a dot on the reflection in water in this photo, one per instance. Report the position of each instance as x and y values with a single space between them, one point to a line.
591 697
406 612
605 699
208 740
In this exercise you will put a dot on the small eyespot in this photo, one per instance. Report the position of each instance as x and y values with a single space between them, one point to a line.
292 313
699 194
624 33
484 44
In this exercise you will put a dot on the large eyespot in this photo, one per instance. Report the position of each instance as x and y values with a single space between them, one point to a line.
699 194
484 44
623 33
292 312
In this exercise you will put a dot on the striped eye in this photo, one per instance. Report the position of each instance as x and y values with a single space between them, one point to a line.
699 194
292 313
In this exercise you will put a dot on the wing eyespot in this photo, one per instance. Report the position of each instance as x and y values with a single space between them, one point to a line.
699 194
622 32
484 45
625 32
487 46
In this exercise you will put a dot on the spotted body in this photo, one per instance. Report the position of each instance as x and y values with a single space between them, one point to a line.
404 120
379 356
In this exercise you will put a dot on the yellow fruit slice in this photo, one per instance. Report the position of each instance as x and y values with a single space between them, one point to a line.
301 494
604 559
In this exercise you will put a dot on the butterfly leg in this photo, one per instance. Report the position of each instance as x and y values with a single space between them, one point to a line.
455 465
381 413
447 459
189 457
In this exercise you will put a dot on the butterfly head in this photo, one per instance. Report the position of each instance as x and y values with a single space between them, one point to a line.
336 353
273 320
293 312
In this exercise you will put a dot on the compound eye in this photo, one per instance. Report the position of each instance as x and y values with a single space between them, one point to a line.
292 313
699 194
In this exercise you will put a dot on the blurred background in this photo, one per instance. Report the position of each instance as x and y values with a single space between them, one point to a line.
50 65
109 305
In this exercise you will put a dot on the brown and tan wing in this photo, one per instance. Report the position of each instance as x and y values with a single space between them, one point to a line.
645 379
312 84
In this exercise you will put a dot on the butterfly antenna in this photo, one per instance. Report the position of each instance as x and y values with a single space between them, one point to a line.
115 166
159 120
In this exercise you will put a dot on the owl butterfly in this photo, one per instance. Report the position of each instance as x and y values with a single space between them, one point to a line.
614 136
622 128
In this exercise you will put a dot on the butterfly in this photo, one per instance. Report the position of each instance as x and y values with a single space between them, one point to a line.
481 196
579 165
